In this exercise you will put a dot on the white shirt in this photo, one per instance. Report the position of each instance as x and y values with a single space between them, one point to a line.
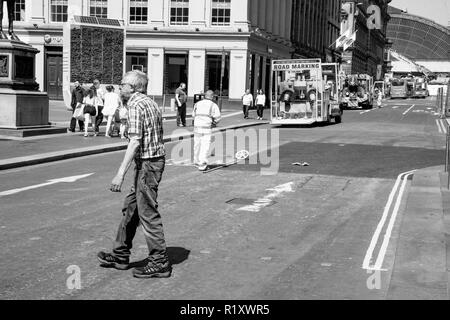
261 99
205 113
112 102
247 99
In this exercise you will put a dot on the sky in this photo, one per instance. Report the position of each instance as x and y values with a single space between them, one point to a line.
437 10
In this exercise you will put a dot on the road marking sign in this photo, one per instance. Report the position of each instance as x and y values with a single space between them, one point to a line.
267 200
48 183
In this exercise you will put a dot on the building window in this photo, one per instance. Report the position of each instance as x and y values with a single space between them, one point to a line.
221 12
137 61
19 10
179 12
58 10
98 8
138 11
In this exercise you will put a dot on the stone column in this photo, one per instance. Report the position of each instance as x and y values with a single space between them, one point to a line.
196 77
240 15
156 13
269 16
262 14
238 72
197 14
35 11
155 71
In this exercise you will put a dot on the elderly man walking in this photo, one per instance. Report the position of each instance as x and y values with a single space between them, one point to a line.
146 147
206 114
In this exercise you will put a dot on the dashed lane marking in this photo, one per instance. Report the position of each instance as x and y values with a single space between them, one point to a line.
406 112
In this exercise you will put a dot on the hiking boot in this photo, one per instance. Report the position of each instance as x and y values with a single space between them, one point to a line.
108 260
154 269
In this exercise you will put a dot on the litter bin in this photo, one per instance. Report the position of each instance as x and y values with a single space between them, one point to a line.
198 97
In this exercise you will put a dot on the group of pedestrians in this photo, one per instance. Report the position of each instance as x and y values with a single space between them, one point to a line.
259 101
95 104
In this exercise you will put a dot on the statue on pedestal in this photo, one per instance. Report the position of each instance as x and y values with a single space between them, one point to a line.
10 5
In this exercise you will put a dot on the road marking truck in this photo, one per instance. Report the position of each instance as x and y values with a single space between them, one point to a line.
300 93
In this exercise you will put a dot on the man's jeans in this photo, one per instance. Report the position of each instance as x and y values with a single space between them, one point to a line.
245 109
181 115
141 206
99 119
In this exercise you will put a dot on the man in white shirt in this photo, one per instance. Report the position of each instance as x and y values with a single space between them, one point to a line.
206 114
260 103
101 102
247 102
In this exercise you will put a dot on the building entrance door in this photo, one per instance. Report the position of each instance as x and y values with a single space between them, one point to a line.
54 77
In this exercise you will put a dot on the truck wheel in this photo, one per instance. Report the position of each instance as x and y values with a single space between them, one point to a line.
338 119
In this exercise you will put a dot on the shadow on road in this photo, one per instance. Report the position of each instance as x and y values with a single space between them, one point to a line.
177 255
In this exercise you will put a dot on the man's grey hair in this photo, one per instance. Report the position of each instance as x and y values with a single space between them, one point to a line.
137 79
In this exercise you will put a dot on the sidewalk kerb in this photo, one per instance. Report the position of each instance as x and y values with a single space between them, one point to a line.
88 151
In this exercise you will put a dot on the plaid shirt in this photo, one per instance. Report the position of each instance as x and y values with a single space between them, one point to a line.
145 122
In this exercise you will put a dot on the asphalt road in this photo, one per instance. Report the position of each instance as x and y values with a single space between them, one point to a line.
288 232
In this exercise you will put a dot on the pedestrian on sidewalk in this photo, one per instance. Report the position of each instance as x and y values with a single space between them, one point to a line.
146 147
78 94
112 103
123 115
100 93
379 96
181 99
247 102
260 103
90 103
206 114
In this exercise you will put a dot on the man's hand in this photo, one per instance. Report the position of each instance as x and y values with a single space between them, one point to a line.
116 184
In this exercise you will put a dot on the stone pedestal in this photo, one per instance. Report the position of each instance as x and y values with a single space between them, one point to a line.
22 106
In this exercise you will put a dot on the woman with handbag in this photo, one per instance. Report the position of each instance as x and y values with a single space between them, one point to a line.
90 103
112 103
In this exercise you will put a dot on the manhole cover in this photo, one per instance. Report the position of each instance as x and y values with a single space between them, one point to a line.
241 201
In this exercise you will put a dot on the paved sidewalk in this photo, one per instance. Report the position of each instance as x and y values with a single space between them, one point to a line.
19 152
60 116
422 263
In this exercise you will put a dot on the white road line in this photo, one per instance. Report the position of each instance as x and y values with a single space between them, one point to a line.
404 113
367 111
48 183
444 125
387 235
376 235
438 122
441 126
